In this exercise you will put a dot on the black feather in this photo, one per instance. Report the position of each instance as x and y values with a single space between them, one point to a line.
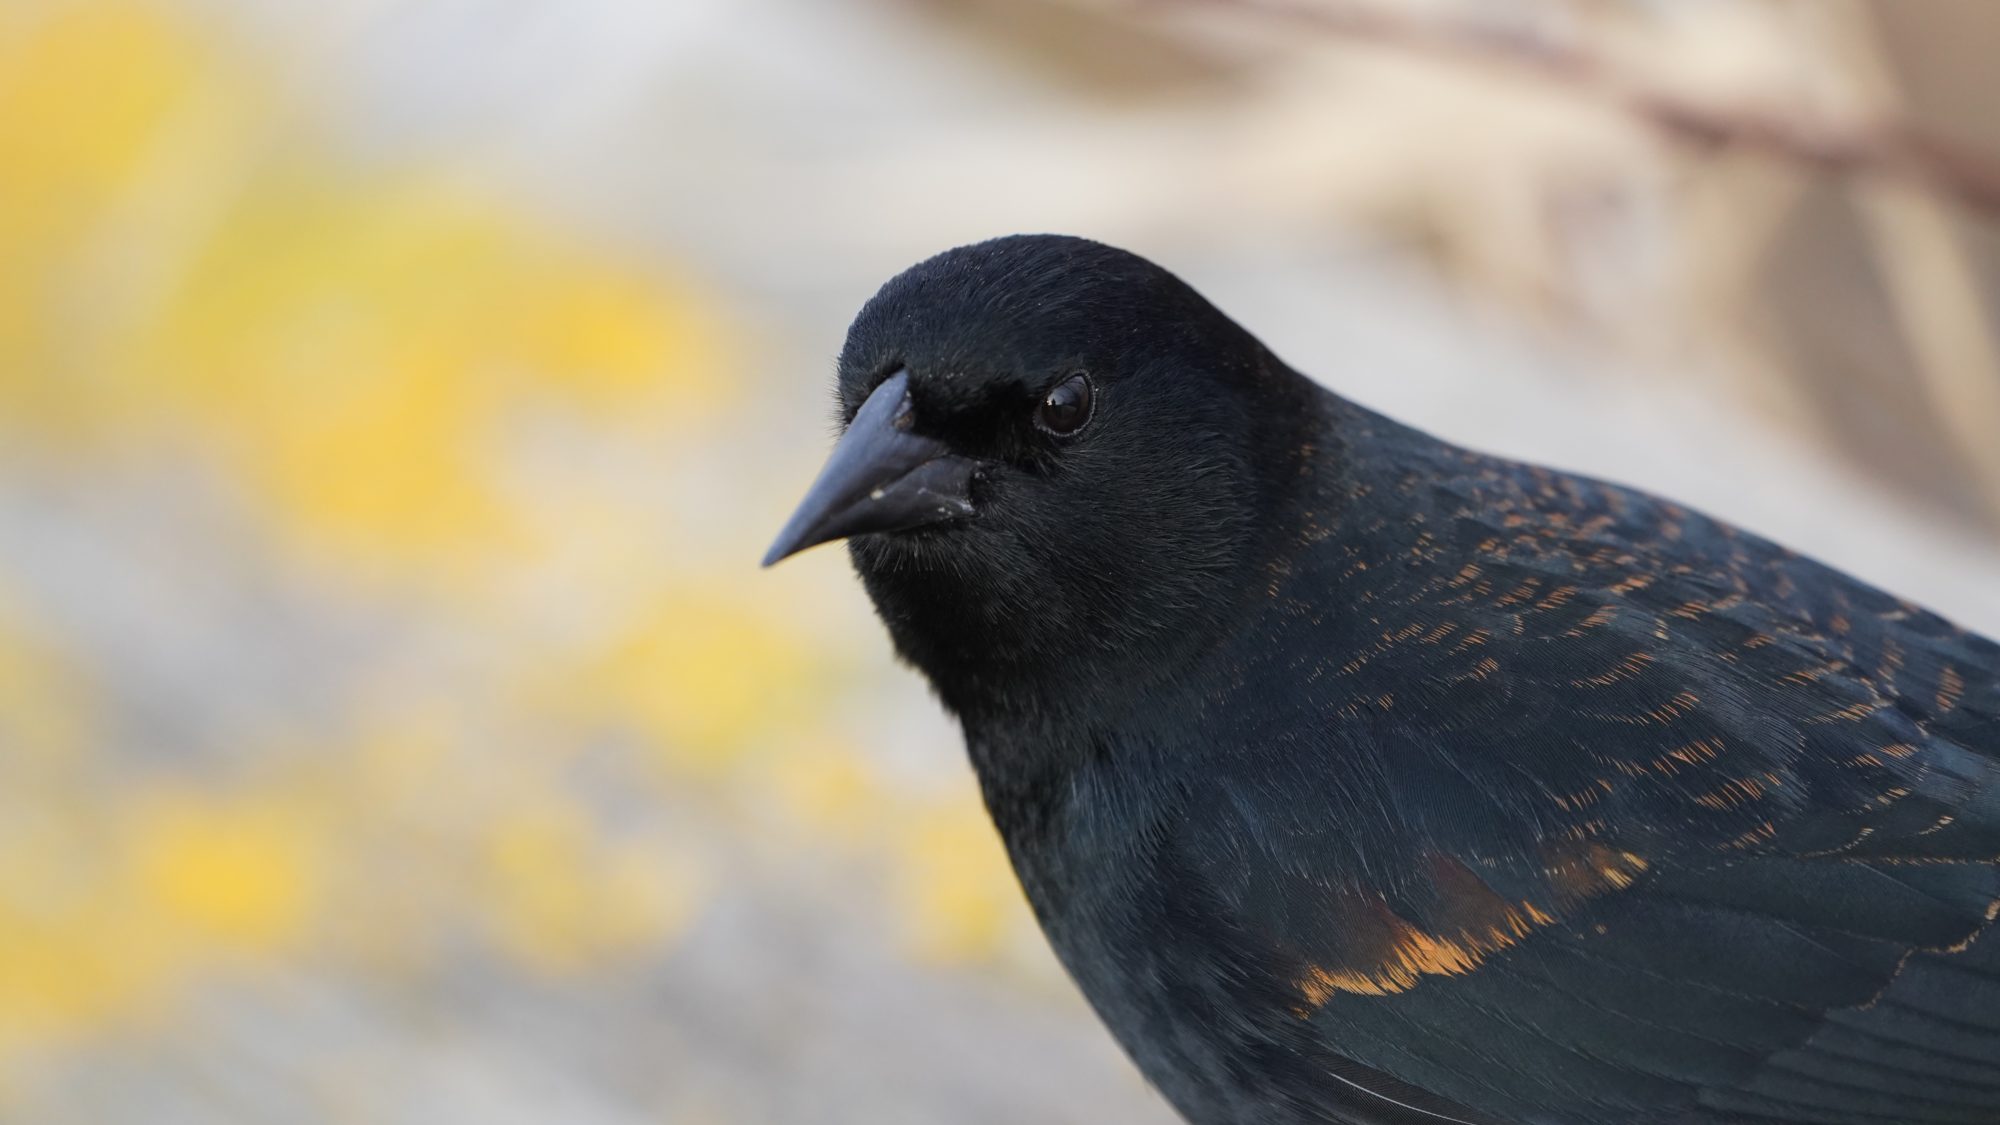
1358 777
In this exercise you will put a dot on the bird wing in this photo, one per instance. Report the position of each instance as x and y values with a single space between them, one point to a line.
1640 813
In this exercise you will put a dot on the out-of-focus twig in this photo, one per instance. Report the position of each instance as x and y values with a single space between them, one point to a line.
1932 281
1863 145
1933 287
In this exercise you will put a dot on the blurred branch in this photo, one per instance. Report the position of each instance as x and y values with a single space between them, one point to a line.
1865 146
1934 287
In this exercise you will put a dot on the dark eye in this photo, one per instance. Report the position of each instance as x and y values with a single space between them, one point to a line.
1066 407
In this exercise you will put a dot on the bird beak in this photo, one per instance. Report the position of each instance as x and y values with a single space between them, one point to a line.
880 477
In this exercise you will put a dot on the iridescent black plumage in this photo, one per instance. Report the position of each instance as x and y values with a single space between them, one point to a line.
1357 777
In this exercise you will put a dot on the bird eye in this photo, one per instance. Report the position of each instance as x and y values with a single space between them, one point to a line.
1066 407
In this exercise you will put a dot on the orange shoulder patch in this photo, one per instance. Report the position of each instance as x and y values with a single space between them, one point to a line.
1468 923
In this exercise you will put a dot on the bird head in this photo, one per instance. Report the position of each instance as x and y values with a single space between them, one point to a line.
1055 464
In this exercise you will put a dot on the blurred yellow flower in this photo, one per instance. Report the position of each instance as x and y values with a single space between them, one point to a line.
183 269
702 676
826 788
349 346
84 90
360 352
563 899
102 914
41 705
959 891
238 873
421 406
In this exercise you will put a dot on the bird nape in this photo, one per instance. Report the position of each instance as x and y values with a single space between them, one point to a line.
1357 777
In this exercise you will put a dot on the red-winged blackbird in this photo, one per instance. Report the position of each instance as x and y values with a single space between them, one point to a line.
1357 777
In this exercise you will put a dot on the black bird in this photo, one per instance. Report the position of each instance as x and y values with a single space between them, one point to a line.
1358 777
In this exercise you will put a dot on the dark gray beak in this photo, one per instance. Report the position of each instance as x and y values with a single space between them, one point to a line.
880 477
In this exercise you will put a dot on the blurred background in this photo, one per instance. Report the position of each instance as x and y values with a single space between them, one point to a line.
395 396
